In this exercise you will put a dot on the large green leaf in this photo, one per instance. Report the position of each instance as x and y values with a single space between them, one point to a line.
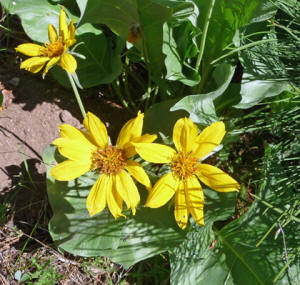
254 91
117 15
122 15
126 241
201 106
158 117
35 16
236 259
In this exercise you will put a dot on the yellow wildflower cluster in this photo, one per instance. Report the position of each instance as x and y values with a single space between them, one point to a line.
91 151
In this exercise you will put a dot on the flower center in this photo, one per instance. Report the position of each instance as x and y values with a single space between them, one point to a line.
110 161
54 49
184 165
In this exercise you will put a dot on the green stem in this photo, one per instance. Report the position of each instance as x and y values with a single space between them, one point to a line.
116 86
148 92
155 95
76 94
125 82
269 230
204 34
242 48
279 211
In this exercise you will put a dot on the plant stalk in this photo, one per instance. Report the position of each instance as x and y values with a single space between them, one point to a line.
77 96
204 34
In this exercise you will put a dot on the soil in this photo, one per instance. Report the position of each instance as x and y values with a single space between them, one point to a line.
34 108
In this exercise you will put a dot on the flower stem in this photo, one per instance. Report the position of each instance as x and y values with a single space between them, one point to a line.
204 34
76 94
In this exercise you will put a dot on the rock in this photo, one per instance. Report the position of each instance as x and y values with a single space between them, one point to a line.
65 116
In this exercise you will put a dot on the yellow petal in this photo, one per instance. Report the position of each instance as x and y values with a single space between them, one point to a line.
181 212
34 64
96 129
52 34
69 170
51 62
132 129
195 199
154 152
96 200
216 179
78 150
138 172
129 148
63 28
127 190
68 62
69 132
184 134
114 201
209 139
30 49
71 39
162 191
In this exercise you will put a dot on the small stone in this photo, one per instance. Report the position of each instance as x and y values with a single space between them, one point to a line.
65 116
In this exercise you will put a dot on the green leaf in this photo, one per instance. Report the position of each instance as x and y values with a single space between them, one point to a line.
254 91
81 5
118 15
177 69
121 15
201 106
152 17
158 118
189 258
102 63
35 17
236 259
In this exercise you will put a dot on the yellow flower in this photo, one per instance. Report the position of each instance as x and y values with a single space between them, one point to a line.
91 150
186 170
56 51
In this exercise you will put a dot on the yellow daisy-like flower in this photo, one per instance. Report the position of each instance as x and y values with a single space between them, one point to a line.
186 170
91 150
54 52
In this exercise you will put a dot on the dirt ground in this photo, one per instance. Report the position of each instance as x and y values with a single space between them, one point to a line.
29 118
34 108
